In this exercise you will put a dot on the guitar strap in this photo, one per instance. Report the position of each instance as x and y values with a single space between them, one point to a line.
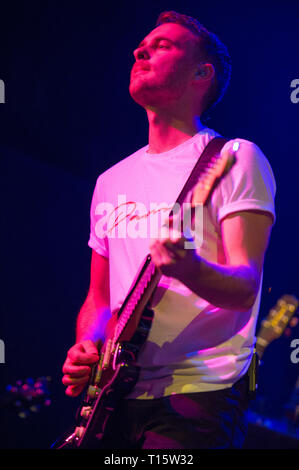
211 150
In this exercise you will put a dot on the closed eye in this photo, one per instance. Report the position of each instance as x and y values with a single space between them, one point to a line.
157 43
162 44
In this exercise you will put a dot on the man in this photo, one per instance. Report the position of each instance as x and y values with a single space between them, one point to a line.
192 391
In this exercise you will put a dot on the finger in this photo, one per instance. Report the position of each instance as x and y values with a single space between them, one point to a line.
89 347
76 371
74 391
69 380
175 250
162 255
77 355
155 253
173 245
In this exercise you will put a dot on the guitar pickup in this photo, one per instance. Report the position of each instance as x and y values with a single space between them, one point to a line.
107 354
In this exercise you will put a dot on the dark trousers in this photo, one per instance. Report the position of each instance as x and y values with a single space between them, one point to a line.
205 420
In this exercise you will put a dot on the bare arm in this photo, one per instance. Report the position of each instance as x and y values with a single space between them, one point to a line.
245 237
91 323
95 312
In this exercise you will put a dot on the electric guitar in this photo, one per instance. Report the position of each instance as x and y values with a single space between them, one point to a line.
279 321
117 371
276 322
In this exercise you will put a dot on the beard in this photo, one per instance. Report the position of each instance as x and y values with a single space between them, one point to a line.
152 92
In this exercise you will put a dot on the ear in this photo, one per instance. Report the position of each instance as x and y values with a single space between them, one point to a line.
205 72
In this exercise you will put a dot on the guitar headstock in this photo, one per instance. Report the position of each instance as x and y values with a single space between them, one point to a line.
27 396
219 167
278 319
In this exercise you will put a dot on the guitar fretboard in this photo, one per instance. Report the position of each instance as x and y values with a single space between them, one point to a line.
147 276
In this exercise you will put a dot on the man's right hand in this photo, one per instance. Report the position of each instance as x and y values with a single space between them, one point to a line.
77 366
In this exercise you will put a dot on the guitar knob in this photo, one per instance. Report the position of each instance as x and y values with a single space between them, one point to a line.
79 431
86 411
93 391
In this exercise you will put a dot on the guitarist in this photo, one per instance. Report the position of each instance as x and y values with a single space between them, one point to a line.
192 391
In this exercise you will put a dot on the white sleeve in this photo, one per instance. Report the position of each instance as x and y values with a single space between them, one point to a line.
97 241
249 185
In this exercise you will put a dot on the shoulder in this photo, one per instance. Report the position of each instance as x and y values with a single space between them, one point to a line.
251 165
250 183
248 154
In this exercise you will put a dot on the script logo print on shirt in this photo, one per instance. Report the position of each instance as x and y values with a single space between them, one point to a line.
133 219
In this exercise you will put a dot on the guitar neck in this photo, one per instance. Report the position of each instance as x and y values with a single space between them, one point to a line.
274 325
137 300
260 346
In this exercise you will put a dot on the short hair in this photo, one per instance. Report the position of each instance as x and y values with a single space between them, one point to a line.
209 48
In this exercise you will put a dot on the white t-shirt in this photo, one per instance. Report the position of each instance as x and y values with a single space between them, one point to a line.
192 345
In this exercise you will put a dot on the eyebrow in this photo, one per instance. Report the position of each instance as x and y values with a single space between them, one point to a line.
156 39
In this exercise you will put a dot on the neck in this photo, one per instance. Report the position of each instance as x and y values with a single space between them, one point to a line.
167 132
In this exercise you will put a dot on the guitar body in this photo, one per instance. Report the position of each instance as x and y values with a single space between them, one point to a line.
116 383
111 382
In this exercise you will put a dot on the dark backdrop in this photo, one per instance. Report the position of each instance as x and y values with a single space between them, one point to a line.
68 116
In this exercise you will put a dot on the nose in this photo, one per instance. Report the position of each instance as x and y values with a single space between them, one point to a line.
141 53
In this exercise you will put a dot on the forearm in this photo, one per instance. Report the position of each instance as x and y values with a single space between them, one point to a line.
92 320
231 287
